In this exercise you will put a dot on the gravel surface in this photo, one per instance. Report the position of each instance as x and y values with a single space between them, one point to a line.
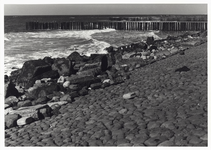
170 109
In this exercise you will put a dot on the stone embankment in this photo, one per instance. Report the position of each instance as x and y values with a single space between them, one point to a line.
131 96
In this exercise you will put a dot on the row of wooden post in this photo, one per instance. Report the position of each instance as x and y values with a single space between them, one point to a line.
120 25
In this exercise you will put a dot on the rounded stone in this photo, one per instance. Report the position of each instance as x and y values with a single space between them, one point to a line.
169 125
153 124
155 141
194 140
166 143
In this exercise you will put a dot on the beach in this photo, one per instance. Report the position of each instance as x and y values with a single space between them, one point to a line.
169 109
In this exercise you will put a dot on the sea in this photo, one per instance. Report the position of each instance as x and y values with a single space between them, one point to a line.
21 45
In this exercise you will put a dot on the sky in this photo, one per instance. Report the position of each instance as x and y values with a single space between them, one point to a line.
103 9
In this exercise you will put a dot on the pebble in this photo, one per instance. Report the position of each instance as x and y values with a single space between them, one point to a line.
204 137
168 125
155 141
129 95
122 111
194 140
66 84
167 143
153 124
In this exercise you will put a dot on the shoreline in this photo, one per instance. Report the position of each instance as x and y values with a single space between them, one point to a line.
150 97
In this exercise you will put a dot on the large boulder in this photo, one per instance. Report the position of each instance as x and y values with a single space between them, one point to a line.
14 75
63 66
150 40
42 91
75 56
49 74
10 90
83 80
24 103
11 120
11 100
31 69
36 112
48 60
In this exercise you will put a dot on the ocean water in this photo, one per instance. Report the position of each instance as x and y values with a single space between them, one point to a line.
21 45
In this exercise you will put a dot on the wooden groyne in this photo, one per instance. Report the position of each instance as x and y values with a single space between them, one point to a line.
121 25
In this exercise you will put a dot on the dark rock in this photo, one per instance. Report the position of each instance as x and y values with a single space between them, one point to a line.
74 87
150 40
153 47
109 49
155 141
11 120
84 81
96 85
184 68
63 66
48 60
14 75
42 91
182 52
83 92
41 100
74 94
6 78
45 112
171 38
10 90
102 59
24 103
49 74
91 69
75 56
142 45
31 69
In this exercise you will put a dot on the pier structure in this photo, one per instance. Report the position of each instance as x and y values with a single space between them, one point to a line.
120 25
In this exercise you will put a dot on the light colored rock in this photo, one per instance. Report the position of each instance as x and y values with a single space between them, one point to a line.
30 111
106 81
174 50
129 95
11 99
66 97
7 110
32 89
204 137
11 120
6 106
24 120
144 57
122 111
61 79
38 82
66 84
147 53
46 80
127 55
169 125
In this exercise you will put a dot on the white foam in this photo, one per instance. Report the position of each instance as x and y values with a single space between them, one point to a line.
151 34
24 46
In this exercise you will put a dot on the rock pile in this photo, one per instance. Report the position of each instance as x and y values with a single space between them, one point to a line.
40 87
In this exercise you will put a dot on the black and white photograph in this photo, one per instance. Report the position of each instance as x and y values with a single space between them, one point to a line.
105 74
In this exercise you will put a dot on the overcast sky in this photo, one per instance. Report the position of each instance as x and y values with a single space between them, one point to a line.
103 9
